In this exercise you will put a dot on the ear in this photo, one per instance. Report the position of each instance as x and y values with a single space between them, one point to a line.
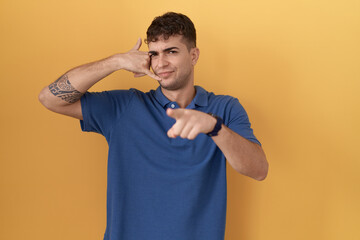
195 54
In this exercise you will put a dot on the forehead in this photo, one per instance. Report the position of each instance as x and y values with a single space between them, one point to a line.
172 41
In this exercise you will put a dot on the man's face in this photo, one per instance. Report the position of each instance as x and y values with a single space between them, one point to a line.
173 62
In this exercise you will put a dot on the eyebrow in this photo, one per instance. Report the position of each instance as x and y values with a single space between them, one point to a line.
165 50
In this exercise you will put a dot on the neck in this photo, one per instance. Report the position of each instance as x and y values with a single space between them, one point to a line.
182 97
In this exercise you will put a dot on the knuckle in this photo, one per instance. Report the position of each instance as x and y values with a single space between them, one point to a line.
191 136
183 135
176 132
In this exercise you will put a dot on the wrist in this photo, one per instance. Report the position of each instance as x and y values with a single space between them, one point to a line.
217 126
116 61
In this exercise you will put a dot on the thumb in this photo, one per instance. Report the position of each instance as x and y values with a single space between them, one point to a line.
137 45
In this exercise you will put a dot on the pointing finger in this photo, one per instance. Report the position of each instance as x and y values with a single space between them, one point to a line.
174 113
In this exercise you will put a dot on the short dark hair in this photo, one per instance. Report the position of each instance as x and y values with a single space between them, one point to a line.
170 24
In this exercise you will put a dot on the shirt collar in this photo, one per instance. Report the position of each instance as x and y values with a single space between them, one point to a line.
200 99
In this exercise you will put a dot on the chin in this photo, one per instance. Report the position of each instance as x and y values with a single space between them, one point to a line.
168 85
172 84
171 87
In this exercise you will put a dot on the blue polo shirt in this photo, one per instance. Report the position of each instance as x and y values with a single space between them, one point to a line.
161 188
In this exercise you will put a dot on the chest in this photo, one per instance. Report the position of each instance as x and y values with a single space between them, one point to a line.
141 135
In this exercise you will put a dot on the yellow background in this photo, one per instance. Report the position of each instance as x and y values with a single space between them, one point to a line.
294 65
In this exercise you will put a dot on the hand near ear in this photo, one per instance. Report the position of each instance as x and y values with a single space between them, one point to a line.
137 62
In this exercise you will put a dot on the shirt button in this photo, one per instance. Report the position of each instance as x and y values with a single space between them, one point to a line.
172 106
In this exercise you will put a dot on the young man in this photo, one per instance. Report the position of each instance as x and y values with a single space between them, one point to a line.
167 147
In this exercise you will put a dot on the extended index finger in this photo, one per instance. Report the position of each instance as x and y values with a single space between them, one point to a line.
175 113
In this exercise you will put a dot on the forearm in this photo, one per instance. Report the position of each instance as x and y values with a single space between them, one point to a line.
69 88
244 156
85 76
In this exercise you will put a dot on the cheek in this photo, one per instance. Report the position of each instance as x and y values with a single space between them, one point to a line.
153 63
187 65
184 63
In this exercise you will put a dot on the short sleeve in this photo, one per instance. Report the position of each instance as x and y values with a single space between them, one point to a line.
238 121
101 109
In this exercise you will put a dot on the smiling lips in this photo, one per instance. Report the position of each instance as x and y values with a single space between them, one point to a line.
165 74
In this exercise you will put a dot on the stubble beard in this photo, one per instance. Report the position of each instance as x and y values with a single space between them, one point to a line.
178 82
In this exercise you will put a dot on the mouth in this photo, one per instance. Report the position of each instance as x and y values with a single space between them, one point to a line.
164 74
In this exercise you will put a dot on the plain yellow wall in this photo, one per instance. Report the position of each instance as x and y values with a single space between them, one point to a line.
294 65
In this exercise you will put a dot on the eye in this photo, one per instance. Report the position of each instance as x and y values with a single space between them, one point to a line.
152 55
172 52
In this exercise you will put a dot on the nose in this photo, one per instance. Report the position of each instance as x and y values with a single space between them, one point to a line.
161 61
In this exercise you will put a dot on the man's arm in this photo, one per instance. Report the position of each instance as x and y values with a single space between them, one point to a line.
244 156
63 95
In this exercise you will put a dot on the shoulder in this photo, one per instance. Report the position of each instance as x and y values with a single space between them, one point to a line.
226 106
221 98
110 100
226 101
212 96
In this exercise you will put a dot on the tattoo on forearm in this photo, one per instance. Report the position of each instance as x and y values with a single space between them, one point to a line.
63 89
